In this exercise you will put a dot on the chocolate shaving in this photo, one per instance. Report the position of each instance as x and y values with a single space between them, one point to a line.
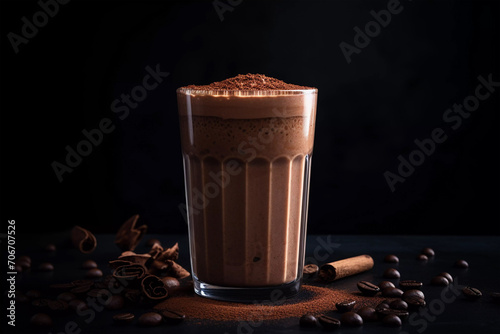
129 274
171 253
83 239
118 263
128 235
132 257
156 250
153 288
176 270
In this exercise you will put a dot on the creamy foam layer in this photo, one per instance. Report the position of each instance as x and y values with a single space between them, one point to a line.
247 104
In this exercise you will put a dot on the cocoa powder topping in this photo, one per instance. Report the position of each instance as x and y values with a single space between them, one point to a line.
249 82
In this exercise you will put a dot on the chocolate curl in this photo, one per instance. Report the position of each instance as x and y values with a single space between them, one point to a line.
171 253
141 259
129 274
176 270
153 288
83 239
156 250
128 235
118 263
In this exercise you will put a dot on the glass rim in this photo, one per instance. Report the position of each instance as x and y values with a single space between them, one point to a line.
235 92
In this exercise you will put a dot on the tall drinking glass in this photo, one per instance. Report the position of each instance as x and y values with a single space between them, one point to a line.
247 163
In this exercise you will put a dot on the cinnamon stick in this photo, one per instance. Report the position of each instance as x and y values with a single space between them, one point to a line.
351 266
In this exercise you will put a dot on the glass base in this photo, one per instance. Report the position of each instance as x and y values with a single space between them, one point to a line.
259 295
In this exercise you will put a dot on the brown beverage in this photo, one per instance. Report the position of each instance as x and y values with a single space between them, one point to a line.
247 144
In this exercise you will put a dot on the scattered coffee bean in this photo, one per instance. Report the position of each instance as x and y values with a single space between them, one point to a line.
310 270
414 303
392 292
81 289
391 273
368 313
115 302
447 275
367 288
96 293
386 284
50 248
351 319
410 284
89 264
391 258
171 283
18 268
440 281
66 296
471 293
392 320
23 264
58 305
24 258
150 319
41 320
33 294
402 314
427 251
413 293
382 306
398 304
308 321
496 297
172 317
40 303
21 298
329 323
77 305
94 273
46 266
422 258
346 305
461 264
123 318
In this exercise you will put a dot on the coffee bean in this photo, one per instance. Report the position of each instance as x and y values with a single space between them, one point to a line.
171 283
447 275
81 289
62 286
25 265
386 284
33 294
329 323
413 293
351 319
21 298
94 273
115 302
402 314
41 320
429 252
398 304
382 306
24 258
391 258
495 297
50 248
414 303
410 284
46 266
96 293
89 264
367 288
58 305
392 320
172 317
422 258
77 305
66 296
471 293
392 292
461 264
123 318
18 268
150 319
391 273
346 305
310 270
308 321
440 281
40 303
81 282
368 313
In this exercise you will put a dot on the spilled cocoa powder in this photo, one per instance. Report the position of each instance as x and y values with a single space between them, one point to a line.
310 300
249 82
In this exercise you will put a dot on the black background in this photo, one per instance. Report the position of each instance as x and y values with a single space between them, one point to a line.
370 111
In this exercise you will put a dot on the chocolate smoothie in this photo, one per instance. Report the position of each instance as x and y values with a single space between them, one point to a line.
247 144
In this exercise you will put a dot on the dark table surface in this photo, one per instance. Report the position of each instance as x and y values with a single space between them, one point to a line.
443 314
